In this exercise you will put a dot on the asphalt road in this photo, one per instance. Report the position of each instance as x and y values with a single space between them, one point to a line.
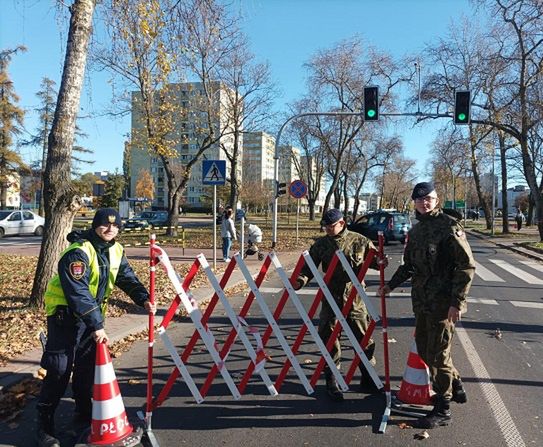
497 349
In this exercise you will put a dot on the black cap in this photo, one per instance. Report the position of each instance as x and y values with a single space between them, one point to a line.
105 216
422 190
331 216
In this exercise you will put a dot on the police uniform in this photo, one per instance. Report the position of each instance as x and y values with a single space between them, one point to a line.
355 247
76 302
439 261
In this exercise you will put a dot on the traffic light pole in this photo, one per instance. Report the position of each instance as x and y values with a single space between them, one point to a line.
301 115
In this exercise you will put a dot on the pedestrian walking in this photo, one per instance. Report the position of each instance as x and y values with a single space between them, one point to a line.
356 248
519 218
228 233
439 261
76 303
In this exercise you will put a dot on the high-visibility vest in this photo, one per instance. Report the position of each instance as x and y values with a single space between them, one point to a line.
54 295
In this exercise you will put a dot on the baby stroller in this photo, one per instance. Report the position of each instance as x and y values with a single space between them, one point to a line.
254 237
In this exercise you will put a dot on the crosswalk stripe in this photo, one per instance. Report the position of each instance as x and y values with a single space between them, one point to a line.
485 274
482 301
527 304
526 277
533 264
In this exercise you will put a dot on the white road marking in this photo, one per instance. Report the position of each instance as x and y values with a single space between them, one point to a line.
485 274
527 304
526 277
508 428
533 264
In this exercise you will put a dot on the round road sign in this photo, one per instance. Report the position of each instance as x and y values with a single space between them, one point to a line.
297 189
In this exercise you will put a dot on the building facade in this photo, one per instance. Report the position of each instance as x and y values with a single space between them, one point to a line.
191 126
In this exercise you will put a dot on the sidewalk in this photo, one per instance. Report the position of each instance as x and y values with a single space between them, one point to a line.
131 323
513 242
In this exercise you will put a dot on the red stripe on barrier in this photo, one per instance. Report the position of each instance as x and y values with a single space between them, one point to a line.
233 333
195 336
345 311
310 313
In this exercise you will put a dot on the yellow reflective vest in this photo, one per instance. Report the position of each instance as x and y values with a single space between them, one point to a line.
54 295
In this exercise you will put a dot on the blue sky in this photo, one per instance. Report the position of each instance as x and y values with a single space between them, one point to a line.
284 32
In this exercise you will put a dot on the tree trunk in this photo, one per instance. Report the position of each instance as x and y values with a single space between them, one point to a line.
61 202
505 203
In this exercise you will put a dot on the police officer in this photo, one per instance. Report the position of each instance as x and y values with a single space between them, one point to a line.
439 261
355 247
75 303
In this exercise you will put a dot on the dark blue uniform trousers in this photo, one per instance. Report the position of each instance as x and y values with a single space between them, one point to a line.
70 348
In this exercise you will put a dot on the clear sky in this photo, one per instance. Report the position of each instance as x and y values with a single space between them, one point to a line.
284 32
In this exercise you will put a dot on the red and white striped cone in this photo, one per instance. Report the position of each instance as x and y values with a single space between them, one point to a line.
110 426
415 388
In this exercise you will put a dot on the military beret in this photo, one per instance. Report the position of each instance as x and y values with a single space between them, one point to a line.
106 216
422 190
331 216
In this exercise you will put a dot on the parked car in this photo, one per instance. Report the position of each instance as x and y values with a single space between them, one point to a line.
393 224
14 222
136 223
148 218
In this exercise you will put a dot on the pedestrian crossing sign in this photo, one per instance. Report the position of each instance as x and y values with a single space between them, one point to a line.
214 172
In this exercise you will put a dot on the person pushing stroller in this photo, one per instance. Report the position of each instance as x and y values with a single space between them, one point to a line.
254 238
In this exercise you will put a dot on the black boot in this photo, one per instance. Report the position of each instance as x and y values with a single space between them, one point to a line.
45 435
367 385
458 392
440 414
334 393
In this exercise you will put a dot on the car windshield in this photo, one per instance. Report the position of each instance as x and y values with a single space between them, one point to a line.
147 215
400 218
4 214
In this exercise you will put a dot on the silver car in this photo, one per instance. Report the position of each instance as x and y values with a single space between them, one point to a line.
13 222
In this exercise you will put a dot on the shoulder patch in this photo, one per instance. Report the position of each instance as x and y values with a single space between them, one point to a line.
77 269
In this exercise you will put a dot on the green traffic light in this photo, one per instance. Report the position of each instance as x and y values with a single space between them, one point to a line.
370 113
461 117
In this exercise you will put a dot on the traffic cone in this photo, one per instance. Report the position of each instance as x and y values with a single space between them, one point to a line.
415 388
110 426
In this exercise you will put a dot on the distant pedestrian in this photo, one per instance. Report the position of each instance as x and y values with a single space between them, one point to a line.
228 233
519 218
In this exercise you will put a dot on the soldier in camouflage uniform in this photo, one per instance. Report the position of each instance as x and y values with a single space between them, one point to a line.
355 247
439 262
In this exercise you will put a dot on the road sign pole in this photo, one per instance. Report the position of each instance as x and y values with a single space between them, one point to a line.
297 219
214 214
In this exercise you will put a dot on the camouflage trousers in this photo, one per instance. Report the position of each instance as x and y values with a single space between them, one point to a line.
358 321
434 341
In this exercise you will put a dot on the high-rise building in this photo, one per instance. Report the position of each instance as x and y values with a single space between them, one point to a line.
191 126
258 162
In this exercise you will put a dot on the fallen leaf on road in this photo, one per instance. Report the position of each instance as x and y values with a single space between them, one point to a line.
134 382
403 426
420 436
308 361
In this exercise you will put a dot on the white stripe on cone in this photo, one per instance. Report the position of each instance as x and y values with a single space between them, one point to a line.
416 376
104 374
107 409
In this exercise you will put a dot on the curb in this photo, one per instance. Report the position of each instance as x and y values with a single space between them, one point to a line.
509 246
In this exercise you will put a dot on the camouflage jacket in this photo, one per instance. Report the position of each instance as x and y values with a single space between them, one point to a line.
438 259
355 247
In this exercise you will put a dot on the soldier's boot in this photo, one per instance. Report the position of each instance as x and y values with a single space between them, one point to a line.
334 393
367 385
439 416
458 392
45 434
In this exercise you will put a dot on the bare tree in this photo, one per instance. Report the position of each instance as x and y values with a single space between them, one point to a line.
61 202
249 96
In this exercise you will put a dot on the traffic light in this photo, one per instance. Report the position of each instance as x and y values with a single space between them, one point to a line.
462 103
280 189
371 103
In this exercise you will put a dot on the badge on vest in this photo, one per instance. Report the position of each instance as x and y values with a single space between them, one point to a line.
432 248
77 269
